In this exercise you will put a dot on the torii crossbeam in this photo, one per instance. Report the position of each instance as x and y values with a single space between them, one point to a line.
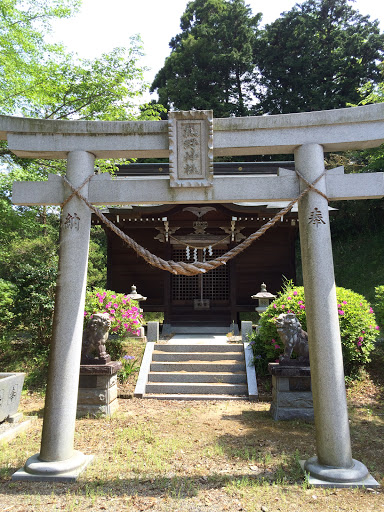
190 140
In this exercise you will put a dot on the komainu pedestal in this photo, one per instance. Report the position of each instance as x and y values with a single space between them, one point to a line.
291 392
98 389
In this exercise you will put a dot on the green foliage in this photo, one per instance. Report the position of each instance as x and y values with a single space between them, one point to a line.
317 56
379 305
212 59
129 366
7 303
97 261
358 327
35 300
23 51
123 312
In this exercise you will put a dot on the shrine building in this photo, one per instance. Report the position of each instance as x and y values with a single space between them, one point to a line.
196 232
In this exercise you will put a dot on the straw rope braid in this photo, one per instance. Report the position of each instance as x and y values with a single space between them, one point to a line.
190 269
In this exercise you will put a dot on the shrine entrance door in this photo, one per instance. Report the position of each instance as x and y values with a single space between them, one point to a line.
200 300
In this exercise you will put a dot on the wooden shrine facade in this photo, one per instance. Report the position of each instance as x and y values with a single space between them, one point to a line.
189 232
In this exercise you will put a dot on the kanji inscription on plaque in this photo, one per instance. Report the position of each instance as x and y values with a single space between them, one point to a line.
191 148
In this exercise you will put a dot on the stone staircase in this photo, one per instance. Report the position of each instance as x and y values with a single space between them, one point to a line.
194 372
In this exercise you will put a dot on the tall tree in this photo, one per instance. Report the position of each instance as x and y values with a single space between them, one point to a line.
316 57
211 60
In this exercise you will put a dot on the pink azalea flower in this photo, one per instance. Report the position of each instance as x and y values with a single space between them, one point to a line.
345 302
370 310
300 302
363 332
85 313
295 293
277 346
361 338
282 307
115 306
113 296
359 343
302 307
112 311
360 304
289 298
377 328
341 312
274 306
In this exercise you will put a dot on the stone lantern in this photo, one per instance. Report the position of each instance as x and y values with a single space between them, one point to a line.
136 296
139 298
264 298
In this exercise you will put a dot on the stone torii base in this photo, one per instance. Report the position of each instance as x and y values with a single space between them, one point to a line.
191 140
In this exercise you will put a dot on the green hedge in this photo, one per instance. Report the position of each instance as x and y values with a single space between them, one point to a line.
358 327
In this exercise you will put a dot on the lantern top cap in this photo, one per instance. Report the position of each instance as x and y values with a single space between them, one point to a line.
134 295
263 293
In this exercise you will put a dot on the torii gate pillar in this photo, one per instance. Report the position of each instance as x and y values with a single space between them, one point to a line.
57 459
333 462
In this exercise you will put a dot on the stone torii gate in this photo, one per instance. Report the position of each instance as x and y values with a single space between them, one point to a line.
190 140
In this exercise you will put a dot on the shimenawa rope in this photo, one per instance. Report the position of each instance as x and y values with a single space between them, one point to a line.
180 267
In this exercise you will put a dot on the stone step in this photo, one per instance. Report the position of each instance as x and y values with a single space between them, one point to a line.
193 329
196 356
225 377
193 397
198 366
216 347
196 388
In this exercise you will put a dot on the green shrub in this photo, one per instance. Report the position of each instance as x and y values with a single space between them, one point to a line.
123 312
379 305
34 301
7 303
358 327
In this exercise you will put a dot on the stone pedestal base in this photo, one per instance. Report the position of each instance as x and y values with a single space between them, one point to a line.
326 476
98 389
291 392
57 471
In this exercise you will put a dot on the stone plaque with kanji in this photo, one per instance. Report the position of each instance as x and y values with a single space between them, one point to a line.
191 148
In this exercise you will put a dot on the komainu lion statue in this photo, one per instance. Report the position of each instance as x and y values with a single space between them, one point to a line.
293 338
94 338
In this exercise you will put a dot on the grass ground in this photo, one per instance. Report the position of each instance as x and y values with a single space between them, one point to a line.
200 456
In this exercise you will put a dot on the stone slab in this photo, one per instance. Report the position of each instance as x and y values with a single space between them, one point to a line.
98 396
97 411
253 393
291 413
97 381
14 429
145 366
102 369
11 385
153 332
295 399
246 330
289 371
